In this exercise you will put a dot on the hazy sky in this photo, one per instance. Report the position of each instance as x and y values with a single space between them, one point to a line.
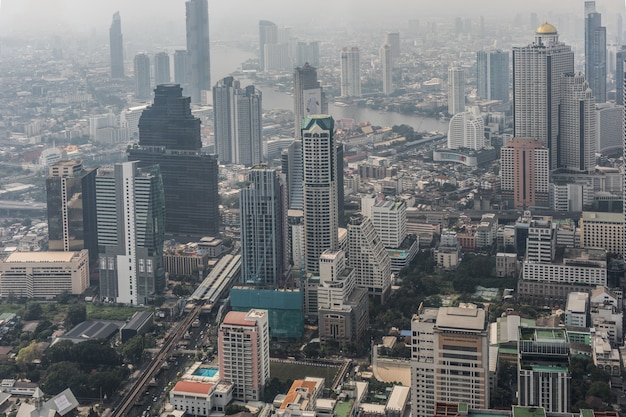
227 15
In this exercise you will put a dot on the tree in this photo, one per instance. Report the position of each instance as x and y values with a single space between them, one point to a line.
132 349
33 311
234 409
76 313
62 375
29 354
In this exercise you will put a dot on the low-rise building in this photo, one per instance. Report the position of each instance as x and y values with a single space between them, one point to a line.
201 398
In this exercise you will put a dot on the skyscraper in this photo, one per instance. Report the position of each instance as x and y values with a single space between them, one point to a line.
350 72
492 75
393 40
169 135
308 96
130 216
577 142
537 77
244 353
198 48
595 52
142 76
181 70
162 68
237 123
292 168
456 90
619 75
524 173
319 155
263 229
268 35
116 45
71 198
467 130
308 52
387 68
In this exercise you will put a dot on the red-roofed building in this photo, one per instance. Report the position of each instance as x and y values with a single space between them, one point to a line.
201 398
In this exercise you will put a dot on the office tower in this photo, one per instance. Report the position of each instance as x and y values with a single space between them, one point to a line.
162 68
130 218
537 77
350 72
181 70
389 219
492 75
595 52
263 229
387 69
198 48
393 40
541 240
467 130
577 142
292 168
319 160
237 120
609 132
602 230
268 35
620 57
244 353
71 198
543 377
524 173
308 52
169 135
342 307
116 45
456 90
368 257
142 76
448 342
308 96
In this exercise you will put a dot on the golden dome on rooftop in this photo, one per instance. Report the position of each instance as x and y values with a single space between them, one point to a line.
546 29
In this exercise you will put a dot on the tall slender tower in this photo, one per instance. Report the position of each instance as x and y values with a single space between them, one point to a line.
350 72
268 35
321 219
169 135
142 76
620 57
116 45
263 229
393 40
595 52
492 75
308 96
162 68
537 87
198 48
456 90
181 71
387 63
524 173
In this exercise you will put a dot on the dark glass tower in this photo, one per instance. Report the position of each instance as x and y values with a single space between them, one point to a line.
199 61
619 75
117 47
492 75
595 52
169 135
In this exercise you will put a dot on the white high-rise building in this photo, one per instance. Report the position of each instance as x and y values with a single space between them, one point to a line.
389 219
538 71
350 72
308 96
577 143
386 59
244 353
368 257
467 130
319 160
456 90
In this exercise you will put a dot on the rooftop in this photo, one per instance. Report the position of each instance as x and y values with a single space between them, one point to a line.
519 411
462 318
48 256
193 387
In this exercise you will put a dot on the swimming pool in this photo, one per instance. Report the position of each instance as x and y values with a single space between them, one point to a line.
208 372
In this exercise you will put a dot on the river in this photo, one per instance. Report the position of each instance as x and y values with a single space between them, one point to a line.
225 60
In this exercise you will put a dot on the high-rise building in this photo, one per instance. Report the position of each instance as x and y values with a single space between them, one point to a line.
602 230
389 219
541 241
181 70
238 124
448 342
308 96
467 130
292 169
350 72
524 173
620 57
162 68
142 76
169 135
116 45
268 35
595 52
198 48
244 353
131 219
492 75
263 229
393 40
537 77
577 142
71 197
308 52
387 68
368 257
456 90
319 160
